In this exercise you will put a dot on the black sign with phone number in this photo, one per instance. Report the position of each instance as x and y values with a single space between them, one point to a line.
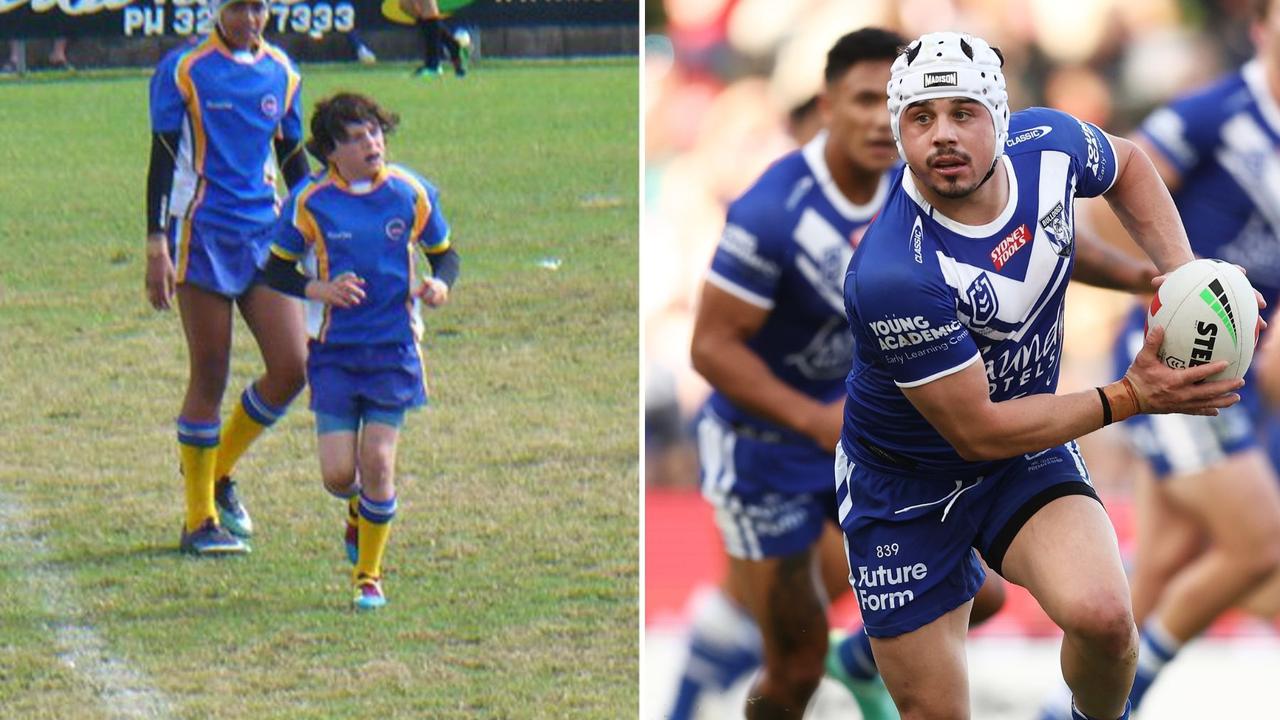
145 18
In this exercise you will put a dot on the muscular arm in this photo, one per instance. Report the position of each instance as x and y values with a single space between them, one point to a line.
1143 204
723 325
959 407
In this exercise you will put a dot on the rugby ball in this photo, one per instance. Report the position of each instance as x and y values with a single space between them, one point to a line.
462 37
1208 311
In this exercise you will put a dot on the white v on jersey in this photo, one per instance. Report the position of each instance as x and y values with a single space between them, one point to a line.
927 296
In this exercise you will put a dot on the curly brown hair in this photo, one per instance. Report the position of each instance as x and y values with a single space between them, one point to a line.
333 114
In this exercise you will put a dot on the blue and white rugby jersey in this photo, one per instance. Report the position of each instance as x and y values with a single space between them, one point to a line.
785 248
1225 142
928 296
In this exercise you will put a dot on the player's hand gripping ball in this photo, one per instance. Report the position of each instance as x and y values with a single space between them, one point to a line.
1209 312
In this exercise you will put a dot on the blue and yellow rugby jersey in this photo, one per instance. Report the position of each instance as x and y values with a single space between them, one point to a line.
334 228
228 107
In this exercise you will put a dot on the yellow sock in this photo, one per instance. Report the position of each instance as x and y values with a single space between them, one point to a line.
197 473
250 417
375 527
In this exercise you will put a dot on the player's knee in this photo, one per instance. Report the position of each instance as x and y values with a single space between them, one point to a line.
287 375
377 477
209 372
1103 622
339 481
1263 558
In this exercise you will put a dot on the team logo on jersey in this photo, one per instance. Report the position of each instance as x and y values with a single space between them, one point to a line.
1034 133
1012 243
395 228
1057 226
941 79
270 106
983 301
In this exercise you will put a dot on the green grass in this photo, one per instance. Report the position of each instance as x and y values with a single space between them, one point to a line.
512 570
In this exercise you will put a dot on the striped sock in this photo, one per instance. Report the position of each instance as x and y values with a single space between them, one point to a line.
1156 647
250 417
375 527
198 446
724 645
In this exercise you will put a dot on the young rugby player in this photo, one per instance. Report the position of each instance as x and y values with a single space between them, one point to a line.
354 227
218 109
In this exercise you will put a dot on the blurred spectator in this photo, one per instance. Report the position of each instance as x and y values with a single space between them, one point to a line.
57 59
360 49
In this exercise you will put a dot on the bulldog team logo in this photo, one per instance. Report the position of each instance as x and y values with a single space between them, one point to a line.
1057 226
395 228
982 298
270 106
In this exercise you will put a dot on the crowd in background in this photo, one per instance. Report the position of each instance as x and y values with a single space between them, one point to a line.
723 77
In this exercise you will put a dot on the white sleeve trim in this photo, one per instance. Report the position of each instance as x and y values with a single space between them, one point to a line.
738 291
944 373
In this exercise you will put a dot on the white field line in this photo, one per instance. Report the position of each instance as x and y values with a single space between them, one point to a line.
123 691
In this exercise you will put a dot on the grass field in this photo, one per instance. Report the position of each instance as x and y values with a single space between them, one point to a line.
512 569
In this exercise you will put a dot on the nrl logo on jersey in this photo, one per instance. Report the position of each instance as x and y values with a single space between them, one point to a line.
983 301
941 79
1057 226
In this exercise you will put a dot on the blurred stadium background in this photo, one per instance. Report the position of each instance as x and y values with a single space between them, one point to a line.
720 77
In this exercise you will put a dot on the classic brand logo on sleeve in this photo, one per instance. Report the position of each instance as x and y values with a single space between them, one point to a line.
1034 133
941 79
917 234
1012 243
896 333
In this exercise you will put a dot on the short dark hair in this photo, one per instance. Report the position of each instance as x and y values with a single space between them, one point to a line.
861 45
333 114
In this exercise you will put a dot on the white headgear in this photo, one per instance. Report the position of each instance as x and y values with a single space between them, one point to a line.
217 6
949 64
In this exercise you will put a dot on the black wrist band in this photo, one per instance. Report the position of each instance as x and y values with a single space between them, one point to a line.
1106 407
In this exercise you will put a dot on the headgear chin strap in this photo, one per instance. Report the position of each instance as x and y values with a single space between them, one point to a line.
949 64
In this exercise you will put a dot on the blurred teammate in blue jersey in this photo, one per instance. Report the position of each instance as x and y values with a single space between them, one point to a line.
954 438
771 339
1209 526
224 114
354 228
